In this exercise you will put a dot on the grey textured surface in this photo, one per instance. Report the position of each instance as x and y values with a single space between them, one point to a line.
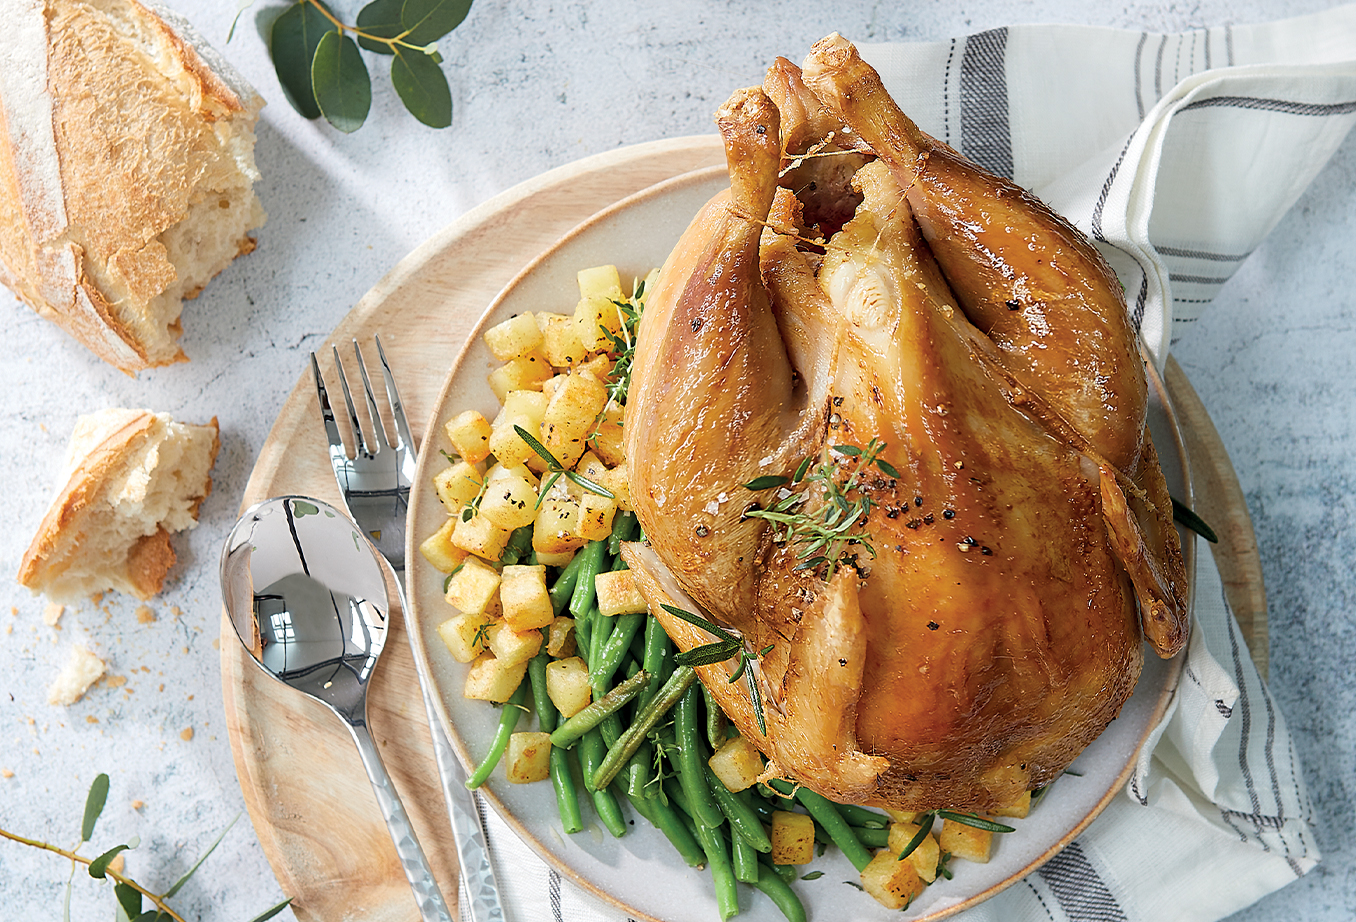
535 86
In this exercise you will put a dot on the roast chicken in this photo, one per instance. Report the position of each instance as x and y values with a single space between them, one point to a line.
953 361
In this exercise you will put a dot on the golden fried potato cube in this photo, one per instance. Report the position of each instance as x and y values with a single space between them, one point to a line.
529 403
600 281
525 373
793 838
595 516
505 442
457 484
590 468
489 679
509 500
902 816
924 857
560 637
618 593
439 550
472 588
594 317
570 417
737 763
567 685
529 757
559 344
469 433
465 635
618 483
966 842
599 366
514 337
557 560
1019 807
523 597
554 531
512 646
607 437
478 535
893 883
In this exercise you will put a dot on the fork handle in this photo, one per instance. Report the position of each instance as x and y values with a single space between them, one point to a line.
429 898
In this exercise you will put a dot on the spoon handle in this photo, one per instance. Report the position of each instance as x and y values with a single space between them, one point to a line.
412 860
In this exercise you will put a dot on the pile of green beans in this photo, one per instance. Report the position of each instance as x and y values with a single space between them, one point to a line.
645 741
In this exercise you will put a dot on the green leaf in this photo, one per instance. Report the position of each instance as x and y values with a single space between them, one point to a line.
380 17
430 20
699 621
94 805
542 451
191 871
1181 513
765 483
589 485
270 913
923 829
98 868
422 87
708 654
343 90
129 899
295 37
969 819
887 468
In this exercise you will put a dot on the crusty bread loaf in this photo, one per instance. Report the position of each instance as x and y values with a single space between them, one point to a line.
132 477
126 170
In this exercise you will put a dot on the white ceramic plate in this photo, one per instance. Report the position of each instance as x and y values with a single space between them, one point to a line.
637 234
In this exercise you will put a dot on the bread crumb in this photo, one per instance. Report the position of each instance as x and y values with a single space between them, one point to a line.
91 719
145 614
52 614
115 681
14 610
83 668
216 643
187 734
138 804
190 697
176 611
6 773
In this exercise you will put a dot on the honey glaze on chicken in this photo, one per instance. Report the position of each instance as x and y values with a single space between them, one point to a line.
986 625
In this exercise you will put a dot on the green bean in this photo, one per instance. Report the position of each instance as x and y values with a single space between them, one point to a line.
776 888
658 659
547 715
620 752
519 546
590 751
691 761
826 814
872 837
578 724
622 526
601 629
567 798
743 820
563 588
602 667
715 720
862 816
743 859
584 592
663 817
722 874
638 773
508 720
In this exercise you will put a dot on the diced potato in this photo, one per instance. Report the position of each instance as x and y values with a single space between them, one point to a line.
571 415
737 763
531 404
525 373
593 315
439 550
522 595
510 501
966 842
793 838
560 638
469 433
505 442
599 366
618 593
892 882
529 757
925 857
600 281
590 468
558 559
457 484
1019 808
478 535
510 646
465 635
554 531
595 516
607 439
473 587
567 685
489 679
560 345
514 337
902 816
618 483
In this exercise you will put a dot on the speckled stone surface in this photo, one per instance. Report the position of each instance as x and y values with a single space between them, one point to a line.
535 86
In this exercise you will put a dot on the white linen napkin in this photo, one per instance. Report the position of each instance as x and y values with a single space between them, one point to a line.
1177 154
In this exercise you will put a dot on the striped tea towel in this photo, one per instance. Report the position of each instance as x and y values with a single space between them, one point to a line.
1178 154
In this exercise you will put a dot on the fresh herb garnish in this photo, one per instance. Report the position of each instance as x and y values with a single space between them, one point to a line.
558 470
726 646
624 344
1184 516
926 820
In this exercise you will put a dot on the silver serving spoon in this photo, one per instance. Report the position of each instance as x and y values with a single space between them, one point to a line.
307 595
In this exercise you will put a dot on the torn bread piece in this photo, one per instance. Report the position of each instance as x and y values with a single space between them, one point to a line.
133 477
83 668
126 170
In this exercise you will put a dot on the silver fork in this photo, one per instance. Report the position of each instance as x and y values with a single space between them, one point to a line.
375 484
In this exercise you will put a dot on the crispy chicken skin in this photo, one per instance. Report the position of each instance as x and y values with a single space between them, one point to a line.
987 629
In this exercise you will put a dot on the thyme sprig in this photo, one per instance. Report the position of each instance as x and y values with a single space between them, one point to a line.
822 519
624 344
558 470
725 646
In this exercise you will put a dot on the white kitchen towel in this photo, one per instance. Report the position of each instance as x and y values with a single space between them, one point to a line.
1177 154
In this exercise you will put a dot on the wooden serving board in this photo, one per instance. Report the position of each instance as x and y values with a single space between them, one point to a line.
304 785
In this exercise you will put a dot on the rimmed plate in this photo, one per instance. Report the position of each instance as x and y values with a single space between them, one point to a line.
637 234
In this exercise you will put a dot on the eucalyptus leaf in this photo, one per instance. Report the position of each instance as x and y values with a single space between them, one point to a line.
422 87
98 868
295 36
129 899
382 18
94 805
430 20
191 871
270 913
343 89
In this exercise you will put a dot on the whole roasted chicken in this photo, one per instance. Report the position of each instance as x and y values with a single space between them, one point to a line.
887 425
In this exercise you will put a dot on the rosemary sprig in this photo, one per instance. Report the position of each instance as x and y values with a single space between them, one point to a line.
557 470
725 646
1182 514
821 518
926 821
